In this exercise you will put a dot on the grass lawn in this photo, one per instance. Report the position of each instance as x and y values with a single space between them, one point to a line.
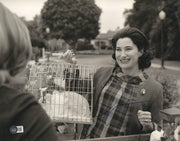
106 60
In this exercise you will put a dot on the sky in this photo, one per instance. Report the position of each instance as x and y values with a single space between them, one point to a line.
111 17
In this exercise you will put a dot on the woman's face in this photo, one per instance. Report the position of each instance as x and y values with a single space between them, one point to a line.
127 53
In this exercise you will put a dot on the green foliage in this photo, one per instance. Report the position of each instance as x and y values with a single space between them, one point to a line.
168 81
167 95
145 16
170 31
34 27
37 53
84 45
71 19
55 45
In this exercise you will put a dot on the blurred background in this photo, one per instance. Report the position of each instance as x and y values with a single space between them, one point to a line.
87 27
56 25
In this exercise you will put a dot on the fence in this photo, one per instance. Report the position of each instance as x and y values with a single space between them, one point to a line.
140 137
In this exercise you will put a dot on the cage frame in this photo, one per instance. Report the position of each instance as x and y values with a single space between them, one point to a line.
72 66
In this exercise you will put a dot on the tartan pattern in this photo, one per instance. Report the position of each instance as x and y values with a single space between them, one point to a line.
120 107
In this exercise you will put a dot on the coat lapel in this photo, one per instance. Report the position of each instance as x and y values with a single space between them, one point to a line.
100 79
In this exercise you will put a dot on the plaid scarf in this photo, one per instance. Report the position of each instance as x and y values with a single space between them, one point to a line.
115 106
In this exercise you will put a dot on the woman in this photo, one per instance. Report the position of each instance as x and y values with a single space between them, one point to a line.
21 117
126 100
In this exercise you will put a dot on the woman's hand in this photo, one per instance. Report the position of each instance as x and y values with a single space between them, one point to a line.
145 120
69 57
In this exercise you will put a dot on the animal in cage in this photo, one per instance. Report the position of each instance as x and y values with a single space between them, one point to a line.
67 104
65 91
73 82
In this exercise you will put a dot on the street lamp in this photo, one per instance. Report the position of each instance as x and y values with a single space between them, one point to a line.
48 53
162 16
47 30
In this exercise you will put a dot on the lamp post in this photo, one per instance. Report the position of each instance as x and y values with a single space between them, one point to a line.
47 30
162 16
48 53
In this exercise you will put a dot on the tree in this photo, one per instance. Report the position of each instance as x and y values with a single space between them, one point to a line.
71 19
145 16
170 32
55 45
35 32
37 40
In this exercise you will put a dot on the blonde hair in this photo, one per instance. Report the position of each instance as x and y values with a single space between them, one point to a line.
15 45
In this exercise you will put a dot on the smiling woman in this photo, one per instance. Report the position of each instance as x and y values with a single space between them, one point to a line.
135 111
127 55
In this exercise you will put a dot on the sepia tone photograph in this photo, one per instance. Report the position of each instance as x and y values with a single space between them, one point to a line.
90 70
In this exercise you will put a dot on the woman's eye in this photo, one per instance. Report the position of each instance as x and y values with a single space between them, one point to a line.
128 48
118 49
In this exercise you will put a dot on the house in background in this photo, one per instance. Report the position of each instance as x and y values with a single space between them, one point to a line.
103 40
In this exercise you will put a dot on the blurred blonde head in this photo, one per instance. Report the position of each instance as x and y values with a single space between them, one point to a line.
15 45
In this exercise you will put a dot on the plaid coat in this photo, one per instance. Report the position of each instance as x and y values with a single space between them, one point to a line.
153 94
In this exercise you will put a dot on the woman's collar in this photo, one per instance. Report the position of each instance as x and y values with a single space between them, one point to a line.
141 74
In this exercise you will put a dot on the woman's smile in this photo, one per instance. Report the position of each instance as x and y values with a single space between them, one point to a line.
124 61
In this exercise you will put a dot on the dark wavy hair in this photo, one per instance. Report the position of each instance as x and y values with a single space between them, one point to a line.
140 40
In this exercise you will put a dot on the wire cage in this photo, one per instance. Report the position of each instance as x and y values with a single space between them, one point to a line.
65 91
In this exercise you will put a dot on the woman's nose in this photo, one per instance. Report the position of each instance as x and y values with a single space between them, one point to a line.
123 53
